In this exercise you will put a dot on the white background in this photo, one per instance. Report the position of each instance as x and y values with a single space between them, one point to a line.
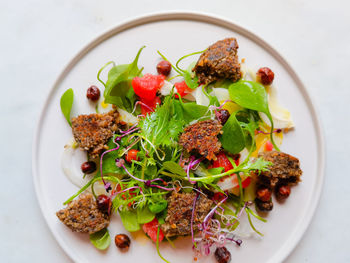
39 37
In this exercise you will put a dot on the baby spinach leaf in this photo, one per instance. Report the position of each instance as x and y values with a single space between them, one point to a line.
66 104
118 89
191 79
157 206
251 95
101 239
232 139
129 220
144 215
174 168
193 111
109 165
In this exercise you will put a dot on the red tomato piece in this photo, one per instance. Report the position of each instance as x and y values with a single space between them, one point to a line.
131 155
222 161
146 87
149 106
182 88
268 146
151 229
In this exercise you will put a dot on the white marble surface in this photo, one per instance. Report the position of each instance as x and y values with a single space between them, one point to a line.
39 37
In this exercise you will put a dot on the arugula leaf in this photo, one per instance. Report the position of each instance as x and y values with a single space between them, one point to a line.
118 89
160 128
174 168
245 167
129 220
259 164
101 239
66 104
144 215
252 95
232 139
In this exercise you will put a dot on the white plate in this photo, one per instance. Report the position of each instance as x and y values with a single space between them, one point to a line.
177 34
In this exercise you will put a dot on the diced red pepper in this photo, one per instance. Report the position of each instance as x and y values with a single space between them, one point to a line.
131 155
146 87
182 89
151 229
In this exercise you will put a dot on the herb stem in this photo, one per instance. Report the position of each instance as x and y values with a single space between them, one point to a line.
251 223
157 245
186 56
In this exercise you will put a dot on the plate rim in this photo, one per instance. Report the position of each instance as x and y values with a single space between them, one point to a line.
205 17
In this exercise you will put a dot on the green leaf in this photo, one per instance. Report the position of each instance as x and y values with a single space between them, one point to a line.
259 164
144 215
161 216
109 165
118 89
190 79
252 95
214 171
213 100
174 168
161 128
192 111
66 104
101 239
232 139
129 220
157 206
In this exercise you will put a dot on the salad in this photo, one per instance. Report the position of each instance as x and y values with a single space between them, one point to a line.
186 152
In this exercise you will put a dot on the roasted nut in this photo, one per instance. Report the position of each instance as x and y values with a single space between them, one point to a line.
164 67
103 203
263 194
265 76
222 255
282 192
122 241
93 93
263 206
222 116
88 167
